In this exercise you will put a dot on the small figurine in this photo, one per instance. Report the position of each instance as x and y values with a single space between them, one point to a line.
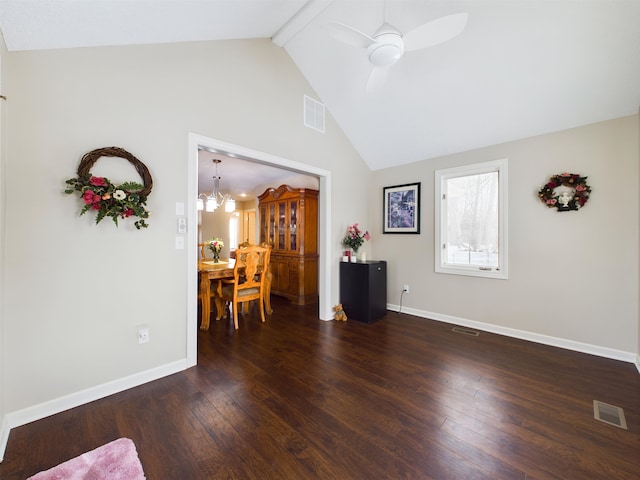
563 199
339 315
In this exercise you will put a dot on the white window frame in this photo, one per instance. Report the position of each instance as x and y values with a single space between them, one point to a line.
234 222
441 176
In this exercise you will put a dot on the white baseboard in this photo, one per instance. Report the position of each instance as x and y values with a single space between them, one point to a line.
4 436
57 405
524 335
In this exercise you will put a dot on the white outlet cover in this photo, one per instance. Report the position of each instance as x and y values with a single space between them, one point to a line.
143 335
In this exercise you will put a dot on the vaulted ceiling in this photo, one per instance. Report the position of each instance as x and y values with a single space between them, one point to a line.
519 68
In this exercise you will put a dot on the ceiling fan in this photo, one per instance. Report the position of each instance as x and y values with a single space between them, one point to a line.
387 45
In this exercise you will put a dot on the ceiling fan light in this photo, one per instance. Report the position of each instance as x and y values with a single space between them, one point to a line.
200 204
387 50
230 205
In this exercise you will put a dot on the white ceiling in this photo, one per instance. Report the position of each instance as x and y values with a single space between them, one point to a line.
520 68
239 177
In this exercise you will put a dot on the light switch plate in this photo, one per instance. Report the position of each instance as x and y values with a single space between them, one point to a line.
182 225
179 208
179 242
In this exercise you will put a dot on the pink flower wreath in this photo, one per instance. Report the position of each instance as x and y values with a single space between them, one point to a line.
578 197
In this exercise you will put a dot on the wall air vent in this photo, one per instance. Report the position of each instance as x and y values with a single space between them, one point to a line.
313 115
609 414
465 331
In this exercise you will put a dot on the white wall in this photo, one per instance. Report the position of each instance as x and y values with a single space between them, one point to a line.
75 292
4 428
216 224
572 275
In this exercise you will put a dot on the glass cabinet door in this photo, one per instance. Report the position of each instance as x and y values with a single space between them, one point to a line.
282 226
293 225
264 225
272 224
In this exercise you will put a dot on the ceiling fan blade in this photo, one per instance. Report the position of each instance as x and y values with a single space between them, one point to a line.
349 35
435 32
377 77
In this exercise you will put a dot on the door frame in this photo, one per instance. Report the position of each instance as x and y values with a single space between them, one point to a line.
324 228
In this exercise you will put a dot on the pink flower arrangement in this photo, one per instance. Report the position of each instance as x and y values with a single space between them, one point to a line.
355 238
215 245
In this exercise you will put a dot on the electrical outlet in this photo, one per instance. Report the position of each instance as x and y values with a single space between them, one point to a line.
143 335
405 289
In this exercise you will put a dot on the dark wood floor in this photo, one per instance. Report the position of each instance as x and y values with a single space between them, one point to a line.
404 398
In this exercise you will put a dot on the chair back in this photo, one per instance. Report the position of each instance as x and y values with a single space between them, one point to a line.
232 254
202 249
250 271
251 279
267 257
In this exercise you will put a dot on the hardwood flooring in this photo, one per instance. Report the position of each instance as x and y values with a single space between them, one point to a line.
296 398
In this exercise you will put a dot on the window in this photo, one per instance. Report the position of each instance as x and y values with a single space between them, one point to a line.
471 220
233 231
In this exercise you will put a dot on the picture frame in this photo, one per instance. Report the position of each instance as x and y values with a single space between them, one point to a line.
401 205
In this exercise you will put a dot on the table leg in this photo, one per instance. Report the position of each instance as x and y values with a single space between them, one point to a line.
205 296
267 291
219 301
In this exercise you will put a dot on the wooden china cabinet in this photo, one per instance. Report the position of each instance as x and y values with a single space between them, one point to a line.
289 222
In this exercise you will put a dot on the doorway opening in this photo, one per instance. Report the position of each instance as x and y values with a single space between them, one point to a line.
324 245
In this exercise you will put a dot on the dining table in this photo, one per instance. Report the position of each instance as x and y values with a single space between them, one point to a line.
211 275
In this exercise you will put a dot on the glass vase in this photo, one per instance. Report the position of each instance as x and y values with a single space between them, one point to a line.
216 257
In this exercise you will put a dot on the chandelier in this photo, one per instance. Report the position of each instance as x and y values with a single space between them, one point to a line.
210 203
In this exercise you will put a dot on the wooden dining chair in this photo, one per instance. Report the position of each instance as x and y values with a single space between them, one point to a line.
202 251
202 248
232 254
249 274
267 281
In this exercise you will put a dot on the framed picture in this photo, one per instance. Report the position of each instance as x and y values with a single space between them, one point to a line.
401 209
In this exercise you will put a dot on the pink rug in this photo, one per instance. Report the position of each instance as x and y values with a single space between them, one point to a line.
117 460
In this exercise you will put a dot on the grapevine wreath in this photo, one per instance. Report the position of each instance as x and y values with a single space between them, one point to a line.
565 201
108 200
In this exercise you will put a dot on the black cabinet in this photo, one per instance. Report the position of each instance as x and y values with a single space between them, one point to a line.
363 290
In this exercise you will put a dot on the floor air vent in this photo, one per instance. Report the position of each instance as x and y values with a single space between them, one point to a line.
465 331
609 414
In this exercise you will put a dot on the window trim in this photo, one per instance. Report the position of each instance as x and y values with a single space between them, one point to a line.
234 226
441 175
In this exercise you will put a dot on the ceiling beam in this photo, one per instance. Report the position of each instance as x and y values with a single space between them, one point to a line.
301 19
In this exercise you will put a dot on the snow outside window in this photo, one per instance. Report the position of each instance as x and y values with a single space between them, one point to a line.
471 220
